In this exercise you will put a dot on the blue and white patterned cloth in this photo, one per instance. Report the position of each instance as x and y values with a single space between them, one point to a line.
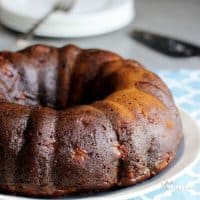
185 86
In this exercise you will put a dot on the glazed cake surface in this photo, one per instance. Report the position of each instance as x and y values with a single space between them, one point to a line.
74 120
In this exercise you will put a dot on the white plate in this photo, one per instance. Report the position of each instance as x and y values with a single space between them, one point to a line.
187 155
88 17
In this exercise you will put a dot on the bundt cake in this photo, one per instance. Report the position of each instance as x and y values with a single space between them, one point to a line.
74 120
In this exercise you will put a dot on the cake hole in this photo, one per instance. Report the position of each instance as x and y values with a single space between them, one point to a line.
44 85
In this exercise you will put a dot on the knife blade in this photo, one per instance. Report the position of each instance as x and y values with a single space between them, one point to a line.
167 45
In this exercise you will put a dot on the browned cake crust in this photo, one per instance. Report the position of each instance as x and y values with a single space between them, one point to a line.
74 120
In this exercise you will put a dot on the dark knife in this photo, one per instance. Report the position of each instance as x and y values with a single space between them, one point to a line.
166 45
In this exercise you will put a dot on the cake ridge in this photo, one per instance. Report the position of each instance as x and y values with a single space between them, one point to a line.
65 68
116 143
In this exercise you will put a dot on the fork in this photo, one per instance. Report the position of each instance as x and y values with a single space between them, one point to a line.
60 5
